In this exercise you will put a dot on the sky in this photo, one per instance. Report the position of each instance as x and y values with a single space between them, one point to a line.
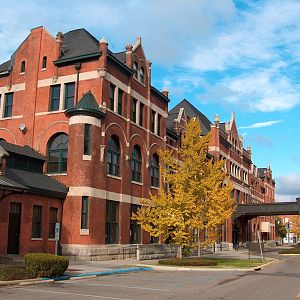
223 56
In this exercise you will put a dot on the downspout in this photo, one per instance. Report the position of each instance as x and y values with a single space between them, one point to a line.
77 67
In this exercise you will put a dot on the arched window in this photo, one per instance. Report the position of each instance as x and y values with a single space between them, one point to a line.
136 165
113 156
57 154
44 62
23 66
142 75
155 170
135 70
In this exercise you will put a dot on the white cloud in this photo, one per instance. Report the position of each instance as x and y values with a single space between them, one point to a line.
288 187
261 124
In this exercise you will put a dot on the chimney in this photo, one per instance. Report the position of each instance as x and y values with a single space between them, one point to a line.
165 92
128 55
59 37
103 48
217 119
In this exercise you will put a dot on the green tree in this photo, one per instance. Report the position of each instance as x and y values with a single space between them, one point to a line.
280 229
198 196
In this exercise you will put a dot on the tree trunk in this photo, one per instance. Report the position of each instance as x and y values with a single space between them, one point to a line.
179 252
199 244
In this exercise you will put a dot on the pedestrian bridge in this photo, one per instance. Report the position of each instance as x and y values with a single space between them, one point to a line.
267 209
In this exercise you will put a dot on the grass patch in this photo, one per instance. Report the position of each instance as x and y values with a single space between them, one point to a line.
212 262
14 273
294 250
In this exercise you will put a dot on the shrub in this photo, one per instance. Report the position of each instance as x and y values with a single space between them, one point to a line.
186 251
188 262
45 265
14 273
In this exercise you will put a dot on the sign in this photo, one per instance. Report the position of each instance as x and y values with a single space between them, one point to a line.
57 231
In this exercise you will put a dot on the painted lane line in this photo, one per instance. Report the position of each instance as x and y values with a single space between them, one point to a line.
118 286
74 294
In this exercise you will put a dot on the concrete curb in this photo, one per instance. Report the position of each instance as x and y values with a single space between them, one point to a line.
289 254
36 281
170 268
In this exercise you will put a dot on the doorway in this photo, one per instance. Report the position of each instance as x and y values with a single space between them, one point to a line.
14 228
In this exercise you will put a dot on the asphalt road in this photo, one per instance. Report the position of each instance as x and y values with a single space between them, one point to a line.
279 281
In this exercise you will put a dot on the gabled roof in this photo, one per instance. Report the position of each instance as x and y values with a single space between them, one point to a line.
22 150
10 185
191 111
86 106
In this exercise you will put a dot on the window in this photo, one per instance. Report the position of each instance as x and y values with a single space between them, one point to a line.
136 165
152 120
120 98
134 105
158 124
22 67
141 114
87 139
135 70
113 156
36 222
44 62
142 75
8 105
69 95
54 97
135 228
112 222
57 154
112 97
52 222
85 212
155 171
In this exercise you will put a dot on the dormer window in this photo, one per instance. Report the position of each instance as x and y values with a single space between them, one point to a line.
135 70
44 62
23 66
142 75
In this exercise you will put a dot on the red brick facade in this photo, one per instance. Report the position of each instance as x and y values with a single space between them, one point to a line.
129 73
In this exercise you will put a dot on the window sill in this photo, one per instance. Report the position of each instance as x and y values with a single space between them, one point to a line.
22 73
84 232
113 176
57 174
86 157
136 182
138 80
36 239
51 239
155 187
43 69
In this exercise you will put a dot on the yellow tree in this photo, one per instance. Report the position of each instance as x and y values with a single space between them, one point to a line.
295 220
198 196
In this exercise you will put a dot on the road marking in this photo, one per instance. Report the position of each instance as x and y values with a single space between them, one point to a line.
74 294
120 286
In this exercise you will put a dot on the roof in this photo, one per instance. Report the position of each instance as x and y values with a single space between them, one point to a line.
121 56
222 127
86 106
155 90
5 67
22 150
37 183
262 172
191 111
8 184
78 43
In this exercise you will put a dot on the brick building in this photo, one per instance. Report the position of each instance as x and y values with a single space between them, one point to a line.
251 184
99 122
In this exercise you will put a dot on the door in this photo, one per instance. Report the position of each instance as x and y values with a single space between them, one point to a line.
14 228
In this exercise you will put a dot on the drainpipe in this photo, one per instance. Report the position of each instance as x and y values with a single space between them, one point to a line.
77 67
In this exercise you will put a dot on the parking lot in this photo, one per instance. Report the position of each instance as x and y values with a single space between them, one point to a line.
142 285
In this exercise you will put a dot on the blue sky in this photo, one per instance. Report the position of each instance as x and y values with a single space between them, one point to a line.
222 55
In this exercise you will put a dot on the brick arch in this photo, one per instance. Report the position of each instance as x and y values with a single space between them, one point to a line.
116 129
7 135
52 129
